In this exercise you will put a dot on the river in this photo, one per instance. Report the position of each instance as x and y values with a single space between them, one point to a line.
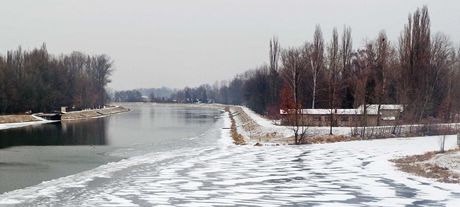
30 155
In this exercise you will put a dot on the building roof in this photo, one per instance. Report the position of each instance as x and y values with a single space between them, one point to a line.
371 109
399 107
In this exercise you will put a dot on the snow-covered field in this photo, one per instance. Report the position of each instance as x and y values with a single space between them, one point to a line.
355 173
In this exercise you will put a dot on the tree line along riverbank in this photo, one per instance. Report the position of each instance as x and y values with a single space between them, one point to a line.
37 81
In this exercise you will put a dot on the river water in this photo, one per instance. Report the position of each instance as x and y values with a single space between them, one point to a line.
30 155
162 155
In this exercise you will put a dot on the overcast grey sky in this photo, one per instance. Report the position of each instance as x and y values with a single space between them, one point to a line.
177 43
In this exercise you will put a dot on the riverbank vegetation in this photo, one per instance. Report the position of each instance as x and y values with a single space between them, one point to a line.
37 81
425 165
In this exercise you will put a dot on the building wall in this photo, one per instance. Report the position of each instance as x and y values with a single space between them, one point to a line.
346 120
389 113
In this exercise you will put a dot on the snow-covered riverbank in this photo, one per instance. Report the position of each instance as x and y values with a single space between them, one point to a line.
257 129
75 115
36 121
355 173
93 113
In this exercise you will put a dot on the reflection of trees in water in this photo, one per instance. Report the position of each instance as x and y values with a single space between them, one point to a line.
84 132
198 116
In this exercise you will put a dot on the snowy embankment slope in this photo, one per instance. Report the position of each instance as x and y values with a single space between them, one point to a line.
23 124
251 124
93 113
265 125
74 115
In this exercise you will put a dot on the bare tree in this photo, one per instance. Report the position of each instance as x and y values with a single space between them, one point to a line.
316 60
380 75
346 53
346 50
415 55
291 95
334 73
362 69
454 92
274 56
442 60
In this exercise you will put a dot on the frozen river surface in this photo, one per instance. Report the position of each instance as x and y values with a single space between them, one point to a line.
340 174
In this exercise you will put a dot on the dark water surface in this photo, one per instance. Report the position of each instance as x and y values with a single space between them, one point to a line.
30 155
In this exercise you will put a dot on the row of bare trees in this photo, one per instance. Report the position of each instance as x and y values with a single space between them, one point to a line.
38 81
419 70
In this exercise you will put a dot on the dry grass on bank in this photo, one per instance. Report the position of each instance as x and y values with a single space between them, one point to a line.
247 123
237 138
321 139
4 119
420 165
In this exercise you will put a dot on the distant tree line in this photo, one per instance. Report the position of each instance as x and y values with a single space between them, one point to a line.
162 93
159 95
40 82
420 70
128 96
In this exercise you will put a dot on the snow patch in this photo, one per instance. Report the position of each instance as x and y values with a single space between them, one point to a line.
448 160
